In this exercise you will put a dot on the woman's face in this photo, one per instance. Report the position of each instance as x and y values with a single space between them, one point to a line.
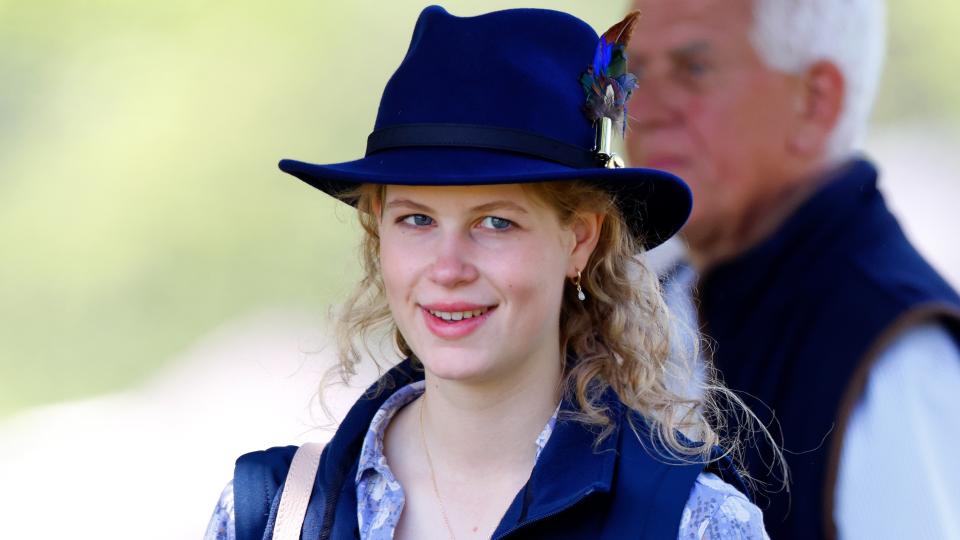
474 276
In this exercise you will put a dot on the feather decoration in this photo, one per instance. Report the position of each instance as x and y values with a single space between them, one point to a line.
606 83
620 33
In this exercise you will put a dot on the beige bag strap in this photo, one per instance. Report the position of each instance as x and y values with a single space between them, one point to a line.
296 492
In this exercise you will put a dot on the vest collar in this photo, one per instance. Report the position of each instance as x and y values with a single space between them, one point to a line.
570 467
344 448
805 235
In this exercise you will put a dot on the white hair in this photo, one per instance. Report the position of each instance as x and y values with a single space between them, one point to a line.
792 35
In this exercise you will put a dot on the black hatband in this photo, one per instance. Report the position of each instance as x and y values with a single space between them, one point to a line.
473 136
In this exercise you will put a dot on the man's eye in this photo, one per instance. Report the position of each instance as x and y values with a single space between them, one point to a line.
417 220
694 68
496 223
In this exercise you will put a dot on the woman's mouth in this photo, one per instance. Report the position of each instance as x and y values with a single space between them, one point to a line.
457 315
455 321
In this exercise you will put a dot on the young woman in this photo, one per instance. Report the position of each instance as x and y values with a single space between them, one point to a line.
537 396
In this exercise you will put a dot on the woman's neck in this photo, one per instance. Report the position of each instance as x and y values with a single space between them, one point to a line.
493 425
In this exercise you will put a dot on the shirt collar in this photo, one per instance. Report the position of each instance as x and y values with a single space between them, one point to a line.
371 452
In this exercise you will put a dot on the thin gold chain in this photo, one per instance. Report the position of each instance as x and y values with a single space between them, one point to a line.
433 475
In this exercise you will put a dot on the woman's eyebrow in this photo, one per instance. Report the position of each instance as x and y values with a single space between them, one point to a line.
499 205
486 207
406 203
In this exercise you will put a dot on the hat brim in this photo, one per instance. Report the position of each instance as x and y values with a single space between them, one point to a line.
654 203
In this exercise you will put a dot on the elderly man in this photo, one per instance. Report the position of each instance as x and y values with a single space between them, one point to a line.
823 314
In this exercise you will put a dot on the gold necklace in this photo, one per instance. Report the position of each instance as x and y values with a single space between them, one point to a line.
433 475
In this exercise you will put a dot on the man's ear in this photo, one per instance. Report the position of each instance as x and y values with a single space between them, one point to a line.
586 231
820 102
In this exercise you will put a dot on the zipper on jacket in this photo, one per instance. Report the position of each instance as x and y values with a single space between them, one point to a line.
329 510
523 524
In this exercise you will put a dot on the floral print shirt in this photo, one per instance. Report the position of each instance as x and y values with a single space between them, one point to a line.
715 510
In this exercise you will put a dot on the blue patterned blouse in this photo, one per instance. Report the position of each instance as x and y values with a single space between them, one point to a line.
715 509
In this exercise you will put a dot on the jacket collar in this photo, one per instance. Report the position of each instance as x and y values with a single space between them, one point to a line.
574 463
344 448
570 467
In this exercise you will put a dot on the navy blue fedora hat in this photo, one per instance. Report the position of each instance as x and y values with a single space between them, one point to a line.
514 96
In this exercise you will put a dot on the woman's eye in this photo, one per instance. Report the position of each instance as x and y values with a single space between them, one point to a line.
495 223
418 220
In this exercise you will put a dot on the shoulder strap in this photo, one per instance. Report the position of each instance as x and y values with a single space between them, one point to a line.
257 478
296 492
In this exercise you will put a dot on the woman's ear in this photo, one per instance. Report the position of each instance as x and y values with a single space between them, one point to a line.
586 231
820 104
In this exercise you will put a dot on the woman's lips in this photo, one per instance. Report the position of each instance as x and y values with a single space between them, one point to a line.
452 321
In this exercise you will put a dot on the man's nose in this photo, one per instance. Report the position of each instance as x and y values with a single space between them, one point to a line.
452 265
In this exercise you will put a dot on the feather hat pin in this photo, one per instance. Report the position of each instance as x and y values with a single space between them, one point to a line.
606 82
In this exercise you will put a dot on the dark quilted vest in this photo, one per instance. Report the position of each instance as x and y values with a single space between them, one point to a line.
798 321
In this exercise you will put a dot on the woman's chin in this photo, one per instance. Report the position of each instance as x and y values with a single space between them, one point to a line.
459 367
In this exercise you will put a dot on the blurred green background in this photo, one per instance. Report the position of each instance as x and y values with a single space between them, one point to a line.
140 204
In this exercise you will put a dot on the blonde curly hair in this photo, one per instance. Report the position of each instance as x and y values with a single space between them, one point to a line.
620 339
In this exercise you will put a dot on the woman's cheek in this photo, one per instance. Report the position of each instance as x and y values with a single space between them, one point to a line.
394 267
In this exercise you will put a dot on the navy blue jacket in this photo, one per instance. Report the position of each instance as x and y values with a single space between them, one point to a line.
616 491
798 321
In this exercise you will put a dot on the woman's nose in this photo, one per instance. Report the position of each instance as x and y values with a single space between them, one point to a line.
452 264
